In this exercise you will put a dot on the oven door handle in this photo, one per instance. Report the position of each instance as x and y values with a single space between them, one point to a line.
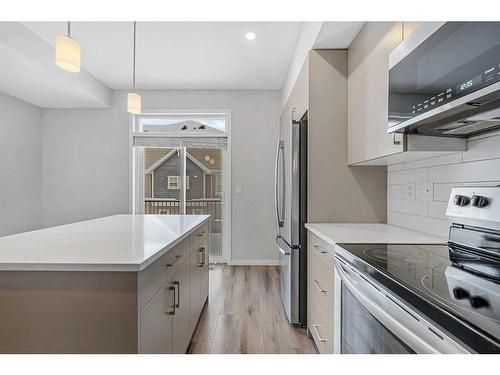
407 336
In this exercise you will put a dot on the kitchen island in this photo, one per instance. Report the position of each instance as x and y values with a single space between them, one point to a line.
118 284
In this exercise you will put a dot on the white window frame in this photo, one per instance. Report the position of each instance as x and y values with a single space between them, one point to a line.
218 183
177 183
173 183
136 169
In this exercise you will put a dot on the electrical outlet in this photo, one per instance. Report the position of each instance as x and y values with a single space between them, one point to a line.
410 191
425 191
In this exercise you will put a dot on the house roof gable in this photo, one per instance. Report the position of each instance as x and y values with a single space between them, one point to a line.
169 155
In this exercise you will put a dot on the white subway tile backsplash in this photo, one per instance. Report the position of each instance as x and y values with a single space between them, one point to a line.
482 149
405 176
397 191
485 170
439 160
437 209
433 180
437 227
408 206
442 191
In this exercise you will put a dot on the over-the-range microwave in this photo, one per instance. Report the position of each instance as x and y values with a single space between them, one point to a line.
444 80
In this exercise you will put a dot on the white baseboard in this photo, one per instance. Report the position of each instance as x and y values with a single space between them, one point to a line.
243 262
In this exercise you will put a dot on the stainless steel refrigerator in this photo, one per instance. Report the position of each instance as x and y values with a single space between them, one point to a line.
291 215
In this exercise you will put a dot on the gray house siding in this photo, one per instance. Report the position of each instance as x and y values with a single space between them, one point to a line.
171 167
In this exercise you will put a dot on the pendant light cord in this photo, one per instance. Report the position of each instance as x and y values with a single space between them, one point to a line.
69 29
133 74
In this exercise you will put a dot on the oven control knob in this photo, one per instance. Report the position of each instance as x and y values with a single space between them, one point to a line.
479 201
461 200
477 302
460 293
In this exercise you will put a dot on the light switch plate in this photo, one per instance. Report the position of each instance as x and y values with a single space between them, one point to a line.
239 189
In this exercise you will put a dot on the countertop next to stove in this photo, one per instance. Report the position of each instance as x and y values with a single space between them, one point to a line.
371 233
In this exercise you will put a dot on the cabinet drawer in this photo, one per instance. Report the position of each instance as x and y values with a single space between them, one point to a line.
157 273
321 249
321 286
318 326
199 238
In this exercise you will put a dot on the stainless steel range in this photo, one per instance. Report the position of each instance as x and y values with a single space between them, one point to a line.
400 298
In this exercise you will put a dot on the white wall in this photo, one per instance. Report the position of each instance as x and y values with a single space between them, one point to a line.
20 178
86 162
479 165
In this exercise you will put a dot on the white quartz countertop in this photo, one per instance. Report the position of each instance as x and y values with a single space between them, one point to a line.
113 243
371 233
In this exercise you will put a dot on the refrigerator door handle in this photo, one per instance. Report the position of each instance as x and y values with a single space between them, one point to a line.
279 155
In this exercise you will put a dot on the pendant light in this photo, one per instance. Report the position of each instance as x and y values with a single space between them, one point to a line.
207 157
134 99
68 52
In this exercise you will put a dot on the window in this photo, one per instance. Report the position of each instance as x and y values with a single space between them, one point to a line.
218 184
173 182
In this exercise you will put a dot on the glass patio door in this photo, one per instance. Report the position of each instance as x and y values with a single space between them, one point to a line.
182 170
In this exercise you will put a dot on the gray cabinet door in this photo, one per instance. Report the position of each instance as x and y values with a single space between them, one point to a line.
182 317
156 323
195 287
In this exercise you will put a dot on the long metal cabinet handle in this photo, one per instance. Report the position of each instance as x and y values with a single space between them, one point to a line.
172 305
178 303
315 326
282 149
276 189
201 251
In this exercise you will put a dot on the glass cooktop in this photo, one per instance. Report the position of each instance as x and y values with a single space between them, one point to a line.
461 284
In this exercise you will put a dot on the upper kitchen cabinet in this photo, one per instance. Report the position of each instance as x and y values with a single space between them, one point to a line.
368 81
335 191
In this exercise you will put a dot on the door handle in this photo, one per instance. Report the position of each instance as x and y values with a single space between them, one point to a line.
178 303
315 326
172 300
283 252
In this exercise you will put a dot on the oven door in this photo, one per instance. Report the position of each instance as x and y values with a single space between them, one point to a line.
368 320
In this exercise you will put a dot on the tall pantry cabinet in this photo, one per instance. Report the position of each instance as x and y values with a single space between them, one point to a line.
337 193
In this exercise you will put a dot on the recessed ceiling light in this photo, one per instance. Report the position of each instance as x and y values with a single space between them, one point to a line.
250 35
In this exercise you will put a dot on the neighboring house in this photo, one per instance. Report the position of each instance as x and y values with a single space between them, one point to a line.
163 180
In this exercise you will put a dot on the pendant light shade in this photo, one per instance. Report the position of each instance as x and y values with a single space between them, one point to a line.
68 52
134 103
134 100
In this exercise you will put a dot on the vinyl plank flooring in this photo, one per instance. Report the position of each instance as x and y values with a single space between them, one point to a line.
244 315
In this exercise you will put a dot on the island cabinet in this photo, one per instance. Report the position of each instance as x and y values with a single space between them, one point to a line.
168 320
148 299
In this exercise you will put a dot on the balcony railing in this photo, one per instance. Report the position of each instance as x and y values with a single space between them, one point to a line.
205 206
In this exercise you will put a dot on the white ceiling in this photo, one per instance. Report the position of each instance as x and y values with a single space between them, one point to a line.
182 55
